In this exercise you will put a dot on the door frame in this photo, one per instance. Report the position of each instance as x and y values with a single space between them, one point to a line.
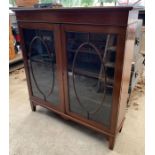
121 32
49 27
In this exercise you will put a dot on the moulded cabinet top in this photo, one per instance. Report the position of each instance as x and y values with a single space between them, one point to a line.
109 16
114 8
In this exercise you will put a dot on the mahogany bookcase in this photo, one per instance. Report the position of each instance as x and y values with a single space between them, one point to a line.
78 62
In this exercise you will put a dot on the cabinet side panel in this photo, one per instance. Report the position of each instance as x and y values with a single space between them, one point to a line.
128 56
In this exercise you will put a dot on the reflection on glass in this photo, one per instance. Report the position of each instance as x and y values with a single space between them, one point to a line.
91 59
42 64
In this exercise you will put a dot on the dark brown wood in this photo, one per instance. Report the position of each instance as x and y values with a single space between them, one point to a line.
116 16
121 129
117 83
111 142
121 126
127 63
109 20
44 26
118 80
68 9
83 29
33 107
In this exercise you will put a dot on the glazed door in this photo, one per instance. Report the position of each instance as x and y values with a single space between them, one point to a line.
90 53
41 56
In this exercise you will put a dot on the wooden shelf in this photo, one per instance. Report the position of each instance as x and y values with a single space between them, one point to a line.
41 61
110 64
112 48
83 51
108 97
83 72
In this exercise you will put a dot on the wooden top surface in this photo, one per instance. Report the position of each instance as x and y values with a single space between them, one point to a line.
116 15
114 8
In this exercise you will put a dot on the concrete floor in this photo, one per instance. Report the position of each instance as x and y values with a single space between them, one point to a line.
45 133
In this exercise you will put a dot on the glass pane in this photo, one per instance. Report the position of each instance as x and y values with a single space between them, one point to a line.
42 64
91 62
